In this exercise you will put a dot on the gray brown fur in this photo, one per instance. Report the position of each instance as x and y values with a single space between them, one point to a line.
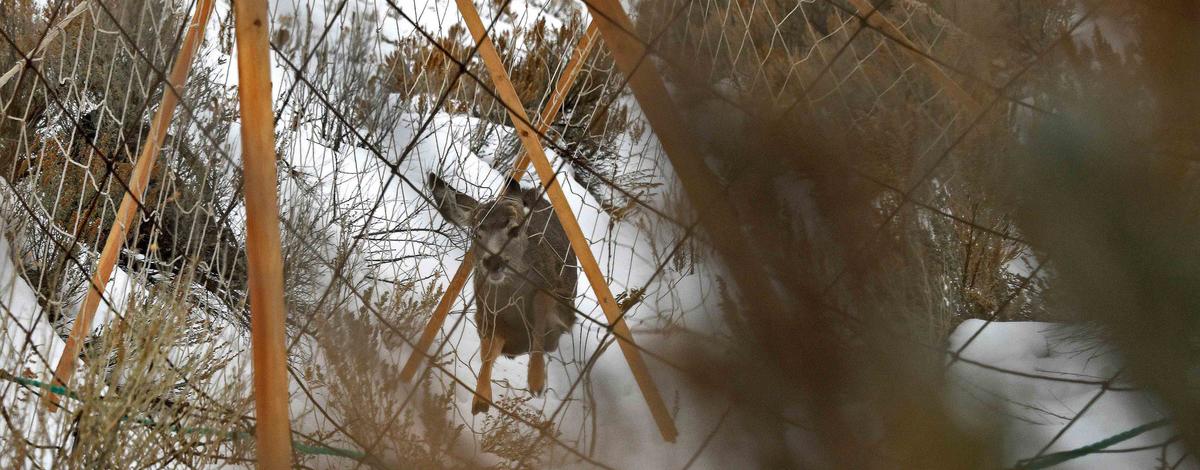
517 238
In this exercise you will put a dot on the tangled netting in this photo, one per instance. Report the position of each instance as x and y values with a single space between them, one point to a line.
370 98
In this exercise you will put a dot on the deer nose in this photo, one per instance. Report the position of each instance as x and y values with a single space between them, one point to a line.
493 263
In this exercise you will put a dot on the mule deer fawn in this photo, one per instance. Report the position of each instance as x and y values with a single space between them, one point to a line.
525 275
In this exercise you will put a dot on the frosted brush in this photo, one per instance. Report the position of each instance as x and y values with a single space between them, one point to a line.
524 278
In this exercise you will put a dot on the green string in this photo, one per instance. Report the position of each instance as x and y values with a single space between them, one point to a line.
299 446
1060 457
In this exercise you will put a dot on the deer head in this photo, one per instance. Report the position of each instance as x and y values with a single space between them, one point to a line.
498 227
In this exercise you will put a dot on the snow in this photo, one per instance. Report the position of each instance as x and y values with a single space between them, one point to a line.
30 347
30 342
1030 411
1119 34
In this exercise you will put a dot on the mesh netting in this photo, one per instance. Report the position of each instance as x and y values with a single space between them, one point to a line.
370 98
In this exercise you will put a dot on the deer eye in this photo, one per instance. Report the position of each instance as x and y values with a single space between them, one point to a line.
514 232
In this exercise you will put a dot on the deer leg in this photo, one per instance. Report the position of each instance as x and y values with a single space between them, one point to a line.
537 373
536 378
491 347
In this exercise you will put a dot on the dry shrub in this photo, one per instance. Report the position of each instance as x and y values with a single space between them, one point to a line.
80 131
1109 188
1091 158
404 426
162 387
507 436
343 94
743 83
365 390
843 314
589 127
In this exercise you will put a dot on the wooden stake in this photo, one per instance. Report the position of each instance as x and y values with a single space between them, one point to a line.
129 207
264 259
549 112
877 20
529 139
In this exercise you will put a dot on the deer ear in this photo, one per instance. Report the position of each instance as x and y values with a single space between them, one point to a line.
512 187
456 207
529 197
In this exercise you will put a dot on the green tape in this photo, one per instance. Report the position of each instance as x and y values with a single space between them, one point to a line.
1060 457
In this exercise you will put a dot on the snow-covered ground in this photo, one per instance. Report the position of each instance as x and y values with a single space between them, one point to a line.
1031 411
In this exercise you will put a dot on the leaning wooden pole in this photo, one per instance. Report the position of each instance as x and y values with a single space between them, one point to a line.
129 204
549 112
583 250
264 259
